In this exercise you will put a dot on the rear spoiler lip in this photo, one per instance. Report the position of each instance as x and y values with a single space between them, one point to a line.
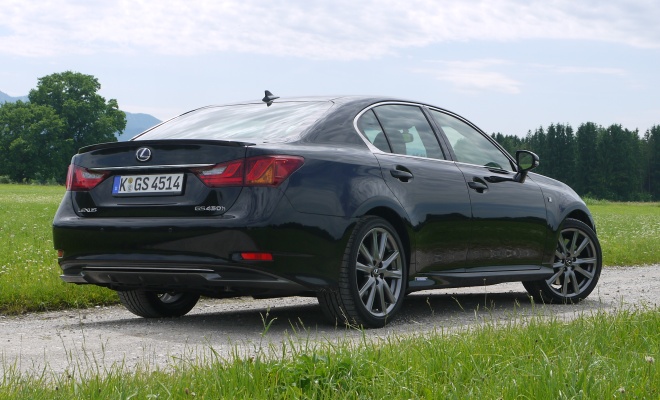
146 143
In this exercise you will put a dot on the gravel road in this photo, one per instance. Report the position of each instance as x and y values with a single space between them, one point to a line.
98 338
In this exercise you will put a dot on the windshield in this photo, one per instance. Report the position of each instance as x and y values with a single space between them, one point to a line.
257 123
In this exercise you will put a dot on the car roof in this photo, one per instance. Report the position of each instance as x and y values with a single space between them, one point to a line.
340 99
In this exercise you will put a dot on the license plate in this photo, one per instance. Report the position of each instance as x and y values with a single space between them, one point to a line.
148 184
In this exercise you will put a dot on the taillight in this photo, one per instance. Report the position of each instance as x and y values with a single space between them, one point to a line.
79 178
270 170
224 174
253 171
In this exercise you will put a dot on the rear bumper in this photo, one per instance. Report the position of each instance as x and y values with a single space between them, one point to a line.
215 282
199 254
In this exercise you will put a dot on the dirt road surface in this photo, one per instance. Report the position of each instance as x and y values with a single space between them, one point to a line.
99 338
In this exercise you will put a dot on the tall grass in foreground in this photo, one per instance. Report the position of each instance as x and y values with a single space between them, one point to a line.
29 274
596 357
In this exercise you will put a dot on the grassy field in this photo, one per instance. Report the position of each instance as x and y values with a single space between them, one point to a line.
601 356
629 233
29 274
598 357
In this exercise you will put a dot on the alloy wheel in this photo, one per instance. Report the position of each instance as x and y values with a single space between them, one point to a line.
379 272
576 263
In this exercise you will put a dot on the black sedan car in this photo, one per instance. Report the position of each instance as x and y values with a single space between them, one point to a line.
355 200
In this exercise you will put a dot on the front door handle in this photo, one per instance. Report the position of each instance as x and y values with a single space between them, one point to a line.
401 173
480 187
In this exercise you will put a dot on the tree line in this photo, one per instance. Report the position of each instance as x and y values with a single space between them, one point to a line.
64 113
610 163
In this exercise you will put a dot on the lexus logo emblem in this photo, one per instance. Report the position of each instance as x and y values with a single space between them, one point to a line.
143 154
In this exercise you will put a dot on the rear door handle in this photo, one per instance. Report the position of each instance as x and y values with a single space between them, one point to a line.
401 173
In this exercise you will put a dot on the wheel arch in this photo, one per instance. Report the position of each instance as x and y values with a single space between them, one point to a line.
582 216
398 223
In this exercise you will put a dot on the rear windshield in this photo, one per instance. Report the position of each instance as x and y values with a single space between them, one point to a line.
256 123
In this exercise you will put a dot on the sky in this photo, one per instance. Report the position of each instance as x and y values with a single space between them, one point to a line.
508 66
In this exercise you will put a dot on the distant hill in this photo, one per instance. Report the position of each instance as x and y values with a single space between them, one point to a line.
135 123
5 98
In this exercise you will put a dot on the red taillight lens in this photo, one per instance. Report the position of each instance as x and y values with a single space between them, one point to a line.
260 171
256 256
270 170
79 178
224 174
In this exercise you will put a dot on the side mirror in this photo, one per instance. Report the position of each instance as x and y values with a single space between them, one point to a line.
525 161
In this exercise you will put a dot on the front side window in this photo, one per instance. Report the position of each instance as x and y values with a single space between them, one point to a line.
400 129
281 122
469 145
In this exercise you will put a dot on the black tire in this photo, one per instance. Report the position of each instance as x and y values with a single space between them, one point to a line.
577 266
372 277
158 305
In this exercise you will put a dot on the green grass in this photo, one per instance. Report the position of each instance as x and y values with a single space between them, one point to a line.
596 357
629 233
602 356
29 274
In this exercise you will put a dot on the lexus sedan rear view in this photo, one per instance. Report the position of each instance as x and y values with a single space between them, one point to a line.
355 200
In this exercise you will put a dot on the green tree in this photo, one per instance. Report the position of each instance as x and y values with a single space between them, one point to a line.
652 179
565 168
511 143
29 135
619 164
586 167
88 118
537 143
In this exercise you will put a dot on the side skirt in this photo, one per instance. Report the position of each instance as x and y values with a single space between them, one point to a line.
482 276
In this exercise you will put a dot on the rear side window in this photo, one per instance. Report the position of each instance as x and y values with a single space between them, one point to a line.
370 127
400 129
281 122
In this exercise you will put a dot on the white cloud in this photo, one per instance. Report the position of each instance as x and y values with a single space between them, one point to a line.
589 70
473 76
340 29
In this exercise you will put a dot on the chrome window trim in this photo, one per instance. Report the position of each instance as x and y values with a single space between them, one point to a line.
375 149
414 157
503 171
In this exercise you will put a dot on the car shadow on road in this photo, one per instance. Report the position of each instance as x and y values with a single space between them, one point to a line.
426 310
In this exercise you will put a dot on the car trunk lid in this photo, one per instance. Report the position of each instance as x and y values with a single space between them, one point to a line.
152 178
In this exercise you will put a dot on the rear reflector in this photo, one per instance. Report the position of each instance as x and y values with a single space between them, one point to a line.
257 256
253 171
79 178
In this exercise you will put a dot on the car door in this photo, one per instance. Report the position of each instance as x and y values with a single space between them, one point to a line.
430 188
509 222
